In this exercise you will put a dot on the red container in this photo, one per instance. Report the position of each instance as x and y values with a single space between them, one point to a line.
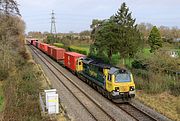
43 47
34 43
70 59
50 52
39 45
58 53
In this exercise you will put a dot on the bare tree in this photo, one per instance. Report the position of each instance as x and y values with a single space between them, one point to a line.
9 7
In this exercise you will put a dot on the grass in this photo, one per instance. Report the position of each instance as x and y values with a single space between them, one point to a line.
164 103
80 48
84 47
59 45
1 97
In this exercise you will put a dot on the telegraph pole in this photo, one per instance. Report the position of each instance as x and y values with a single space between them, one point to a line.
53 23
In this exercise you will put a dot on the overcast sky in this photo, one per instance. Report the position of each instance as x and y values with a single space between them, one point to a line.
77 15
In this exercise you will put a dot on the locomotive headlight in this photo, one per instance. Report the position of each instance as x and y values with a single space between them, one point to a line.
116 88
132 88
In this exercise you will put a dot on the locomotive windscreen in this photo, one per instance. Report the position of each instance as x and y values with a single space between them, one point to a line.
122 77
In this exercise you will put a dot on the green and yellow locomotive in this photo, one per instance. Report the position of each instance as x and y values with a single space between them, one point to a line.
115 83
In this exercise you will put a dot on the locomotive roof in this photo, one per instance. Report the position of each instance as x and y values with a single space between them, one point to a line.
114 69
96 63
102 65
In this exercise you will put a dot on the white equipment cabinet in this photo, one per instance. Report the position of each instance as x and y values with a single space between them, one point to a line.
52 101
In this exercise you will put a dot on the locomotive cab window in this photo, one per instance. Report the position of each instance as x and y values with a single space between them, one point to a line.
109 77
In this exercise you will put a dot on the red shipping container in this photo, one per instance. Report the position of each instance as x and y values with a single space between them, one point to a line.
70 59
39 45
58 53
50 48
34 43
44 47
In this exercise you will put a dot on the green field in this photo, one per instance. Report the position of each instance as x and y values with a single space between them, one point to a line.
81 47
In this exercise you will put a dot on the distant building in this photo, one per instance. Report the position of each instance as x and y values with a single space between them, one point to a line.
173 53
176 40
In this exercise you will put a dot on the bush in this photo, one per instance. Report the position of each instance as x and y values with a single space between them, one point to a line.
115 59
24 54
175 89
137 64
151 82
3 74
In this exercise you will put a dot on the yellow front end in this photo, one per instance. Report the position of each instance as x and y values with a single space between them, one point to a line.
123 86
120 89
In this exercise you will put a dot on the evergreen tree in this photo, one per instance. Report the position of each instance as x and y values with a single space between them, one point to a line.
154 39
129 38
105 38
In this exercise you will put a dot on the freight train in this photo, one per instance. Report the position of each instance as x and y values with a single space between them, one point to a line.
114 83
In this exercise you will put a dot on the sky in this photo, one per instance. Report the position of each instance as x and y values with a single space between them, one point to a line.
77 15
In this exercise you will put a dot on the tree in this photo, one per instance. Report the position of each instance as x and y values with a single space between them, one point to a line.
9 7
105 39
94 26
52 39
85 33
154 39
129 38
144 29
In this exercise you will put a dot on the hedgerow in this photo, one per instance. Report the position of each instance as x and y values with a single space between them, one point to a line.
77 49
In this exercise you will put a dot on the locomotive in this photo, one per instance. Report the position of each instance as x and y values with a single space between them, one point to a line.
114 83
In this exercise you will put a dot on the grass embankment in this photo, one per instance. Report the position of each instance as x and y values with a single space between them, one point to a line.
164 103
1 98
21 90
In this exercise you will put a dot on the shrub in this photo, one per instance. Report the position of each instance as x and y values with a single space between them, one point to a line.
24 54
175 89
137 64
3 74
151 82
115 59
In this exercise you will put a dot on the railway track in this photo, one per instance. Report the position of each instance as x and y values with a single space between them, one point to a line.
95 114
136 113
